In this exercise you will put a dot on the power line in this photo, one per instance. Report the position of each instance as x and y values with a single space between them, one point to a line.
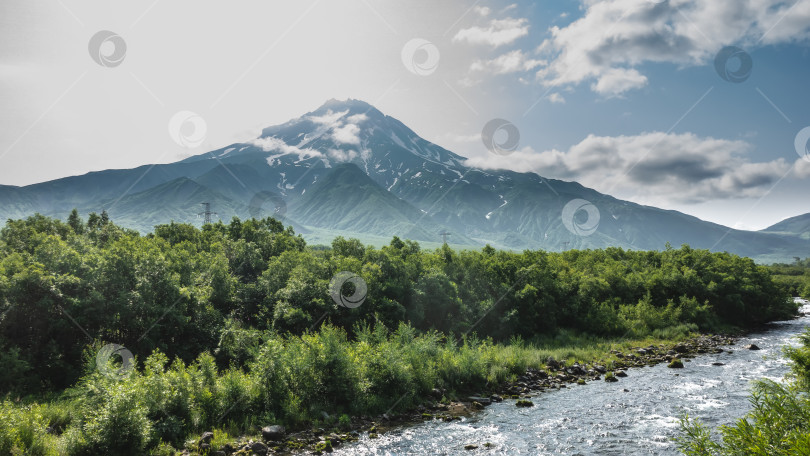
444 235
206 213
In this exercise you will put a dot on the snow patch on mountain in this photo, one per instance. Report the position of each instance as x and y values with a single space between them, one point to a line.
398 141
283 181
489 214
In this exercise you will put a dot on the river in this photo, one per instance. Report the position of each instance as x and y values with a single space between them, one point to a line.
636 416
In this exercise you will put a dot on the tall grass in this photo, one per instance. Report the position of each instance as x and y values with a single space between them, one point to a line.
287 379
24 430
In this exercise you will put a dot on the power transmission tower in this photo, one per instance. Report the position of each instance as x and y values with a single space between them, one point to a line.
206 213
444 235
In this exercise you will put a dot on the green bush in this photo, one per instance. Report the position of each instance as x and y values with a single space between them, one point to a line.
23 431
778 423
800 361
119 425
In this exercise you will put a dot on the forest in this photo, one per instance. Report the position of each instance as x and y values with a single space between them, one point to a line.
795 276
241 324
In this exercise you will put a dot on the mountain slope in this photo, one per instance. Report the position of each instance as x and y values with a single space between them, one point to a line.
178 200
347 167
347 199
797 226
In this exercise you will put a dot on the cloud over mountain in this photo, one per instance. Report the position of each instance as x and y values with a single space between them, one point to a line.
653 168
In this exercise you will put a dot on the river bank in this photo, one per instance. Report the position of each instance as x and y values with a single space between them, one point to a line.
639 415
555 375
535 388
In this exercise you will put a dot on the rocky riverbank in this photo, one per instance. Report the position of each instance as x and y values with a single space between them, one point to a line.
556 375
445 406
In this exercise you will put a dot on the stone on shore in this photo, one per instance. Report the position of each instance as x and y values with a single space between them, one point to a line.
480 400
273 433
206 437
676 364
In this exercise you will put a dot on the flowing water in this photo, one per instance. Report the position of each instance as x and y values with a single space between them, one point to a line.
602 418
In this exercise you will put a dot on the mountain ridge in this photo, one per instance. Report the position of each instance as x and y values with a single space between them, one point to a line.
412 177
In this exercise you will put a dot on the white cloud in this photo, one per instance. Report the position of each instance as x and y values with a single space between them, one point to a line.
273 144
481 10
616 81
613 37
330 118
652 168
497 33
342 155
347 134
802 168
357 118
511 62
556 98
461 139
344 130
468 82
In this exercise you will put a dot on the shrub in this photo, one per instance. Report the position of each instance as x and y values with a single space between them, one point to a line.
23 431
118 426
778 423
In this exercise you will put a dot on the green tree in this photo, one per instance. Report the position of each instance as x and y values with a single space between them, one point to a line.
75 222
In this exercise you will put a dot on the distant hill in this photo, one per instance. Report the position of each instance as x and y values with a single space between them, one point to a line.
797 226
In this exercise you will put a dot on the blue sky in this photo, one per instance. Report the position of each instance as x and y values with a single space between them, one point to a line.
622 95
728 155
